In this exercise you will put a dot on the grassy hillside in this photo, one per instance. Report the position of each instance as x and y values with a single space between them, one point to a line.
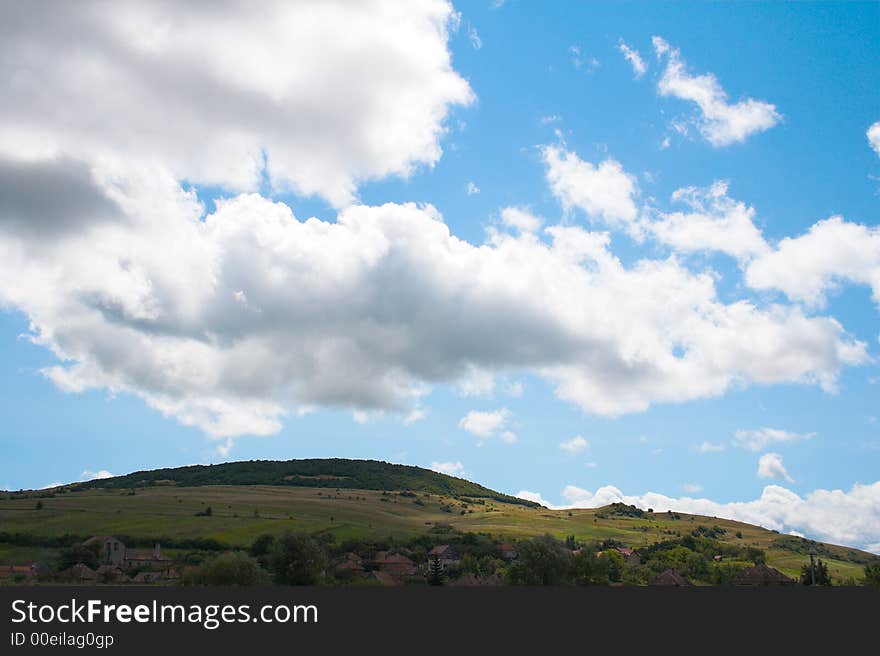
325 473
166 506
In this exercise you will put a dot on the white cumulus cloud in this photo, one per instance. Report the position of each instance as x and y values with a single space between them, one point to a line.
88 475
873 135
488 424
415 415
364 312
520 219
831 252
477 382
605 193
575 445
449 468
220 97
714 222
720 122
770 465
759 439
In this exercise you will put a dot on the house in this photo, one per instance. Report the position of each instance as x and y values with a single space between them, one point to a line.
152 558
507 551
113 552
629 555
16 572
670 577
352 566
445 554
762 575
394 564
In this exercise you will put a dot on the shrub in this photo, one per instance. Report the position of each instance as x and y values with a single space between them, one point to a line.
230 568
262 544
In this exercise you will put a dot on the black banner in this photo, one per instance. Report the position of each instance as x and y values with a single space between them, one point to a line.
410 619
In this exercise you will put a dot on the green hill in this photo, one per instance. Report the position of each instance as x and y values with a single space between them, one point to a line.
355 500
336 473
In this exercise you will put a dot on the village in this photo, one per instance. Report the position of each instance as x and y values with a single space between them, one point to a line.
471 561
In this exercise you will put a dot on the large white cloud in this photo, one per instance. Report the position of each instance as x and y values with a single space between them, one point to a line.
806 267
230 320
720 122
321 93
714 222
606 193
843 517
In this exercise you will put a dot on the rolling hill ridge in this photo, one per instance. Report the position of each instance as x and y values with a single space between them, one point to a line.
337 473
230 505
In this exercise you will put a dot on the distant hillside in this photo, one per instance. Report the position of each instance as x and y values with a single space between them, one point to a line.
211 508
325 473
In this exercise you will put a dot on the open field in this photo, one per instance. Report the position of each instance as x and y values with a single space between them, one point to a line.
240 513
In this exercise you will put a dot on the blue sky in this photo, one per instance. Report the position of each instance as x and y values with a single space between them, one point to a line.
500 89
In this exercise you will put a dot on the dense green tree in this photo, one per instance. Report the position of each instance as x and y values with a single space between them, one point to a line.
614 562
435 571
872 574
636 574
819 570
488 566
79 553
297 559
587 569
722 574
541 561
756 555
696 567
469 564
